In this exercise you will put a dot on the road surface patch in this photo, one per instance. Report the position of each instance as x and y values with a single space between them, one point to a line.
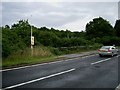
42 78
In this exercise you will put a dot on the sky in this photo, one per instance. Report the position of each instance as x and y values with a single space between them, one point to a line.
58 14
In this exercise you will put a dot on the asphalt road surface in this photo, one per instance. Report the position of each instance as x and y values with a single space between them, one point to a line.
82 72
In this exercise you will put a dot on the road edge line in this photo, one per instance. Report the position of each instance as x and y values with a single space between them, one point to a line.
40 64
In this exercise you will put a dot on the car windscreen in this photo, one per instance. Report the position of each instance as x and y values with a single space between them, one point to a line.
105 47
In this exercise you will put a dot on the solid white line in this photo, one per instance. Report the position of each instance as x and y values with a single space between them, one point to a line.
41 64
54 62
118 55
23 67
89 56
30 66
39 79
100 61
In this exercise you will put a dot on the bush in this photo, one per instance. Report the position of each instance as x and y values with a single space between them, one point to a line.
55 51
40 51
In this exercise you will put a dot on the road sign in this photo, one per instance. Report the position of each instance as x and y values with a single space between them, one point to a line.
32 40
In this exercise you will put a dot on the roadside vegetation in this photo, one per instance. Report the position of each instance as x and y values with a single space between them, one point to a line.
24 57
40 54
51 43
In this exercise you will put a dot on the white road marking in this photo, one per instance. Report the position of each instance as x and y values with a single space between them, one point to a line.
23 67
42 64
54 62
100 61
117 55
46 77
89 56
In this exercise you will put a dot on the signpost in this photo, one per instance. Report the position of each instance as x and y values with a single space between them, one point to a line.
32 42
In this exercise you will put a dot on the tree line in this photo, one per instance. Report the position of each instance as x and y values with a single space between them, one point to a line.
98 31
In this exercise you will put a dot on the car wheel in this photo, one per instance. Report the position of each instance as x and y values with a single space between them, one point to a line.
112 54
117 53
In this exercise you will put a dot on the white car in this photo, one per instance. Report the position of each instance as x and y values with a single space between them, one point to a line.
108 50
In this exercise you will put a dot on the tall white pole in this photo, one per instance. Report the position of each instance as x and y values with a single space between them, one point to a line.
31 41
31 37
119 10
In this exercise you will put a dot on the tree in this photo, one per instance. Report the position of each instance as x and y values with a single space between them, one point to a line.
117 27
7 27
99 27
23 30
11 42
15 38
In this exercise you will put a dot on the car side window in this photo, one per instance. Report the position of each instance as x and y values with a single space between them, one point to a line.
113 47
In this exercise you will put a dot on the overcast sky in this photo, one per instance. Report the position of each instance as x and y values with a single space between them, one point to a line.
59 15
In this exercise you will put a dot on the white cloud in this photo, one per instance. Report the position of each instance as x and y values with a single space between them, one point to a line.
54 1
62 15
78 25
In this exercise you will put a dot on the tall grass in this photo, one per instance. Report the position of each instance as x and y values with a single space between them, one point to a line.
40 54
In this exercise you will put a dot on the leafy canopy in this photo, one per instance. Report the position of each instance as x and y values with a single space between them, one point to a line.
99 27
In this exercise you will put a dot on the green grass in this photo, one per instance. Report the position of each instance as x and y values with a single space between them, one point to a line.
22 61
20 58
41 54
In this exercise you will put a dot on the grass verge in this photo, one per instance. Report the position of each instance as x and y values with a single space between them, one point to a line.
25 57
40 55
22 61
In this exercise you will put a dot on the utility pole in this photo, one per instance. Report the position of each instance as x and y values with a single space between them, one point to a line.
31 38
118 10
32 41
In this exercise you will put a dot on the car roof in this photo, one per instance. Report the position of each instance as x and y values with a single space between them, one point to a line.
107 46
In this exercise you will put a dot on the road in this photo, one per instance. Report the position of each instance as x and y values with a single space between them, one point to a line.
82 72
